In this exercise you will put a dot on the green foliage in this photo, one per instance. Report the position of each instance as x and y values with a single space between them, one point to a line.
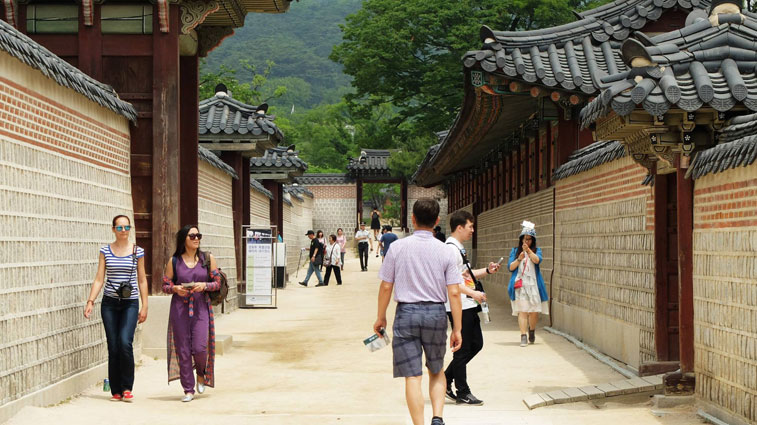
299 43
258 90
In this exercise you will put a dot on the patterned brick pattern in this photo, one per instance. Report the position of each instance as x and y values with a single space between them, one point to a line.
216 222
604 255
499 228
725 290
64 175
416 192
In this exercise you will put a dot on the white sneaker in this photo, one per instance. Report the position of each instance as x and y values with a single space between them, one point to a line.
200 387
188 397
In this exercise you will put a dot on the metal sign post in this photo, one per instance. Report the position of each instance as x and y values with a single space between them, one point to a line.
260 272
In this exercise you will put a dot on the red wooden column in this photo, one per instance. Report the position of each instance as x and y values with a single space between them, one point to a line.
685 195
90 45
190 116
359 202
166 184
661 278
403 205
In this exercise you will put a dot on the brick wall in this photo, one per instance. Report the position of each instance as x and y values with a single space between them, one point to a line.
216 223
603 290
64 168
498 232
725 290
416 192
335 206
260 208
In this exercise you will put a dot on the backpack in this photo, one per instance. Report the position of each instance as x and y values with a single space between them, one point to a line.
216 297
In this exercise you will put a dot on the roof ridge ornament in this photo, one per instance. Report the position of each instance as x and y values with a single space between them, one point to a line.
725 7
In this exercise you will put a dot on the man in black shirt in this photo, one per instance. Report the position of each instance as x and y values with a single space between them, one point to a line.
316 259
439 234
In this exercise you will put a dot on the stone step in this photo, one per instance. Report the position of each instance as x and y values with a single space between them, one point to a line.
611 389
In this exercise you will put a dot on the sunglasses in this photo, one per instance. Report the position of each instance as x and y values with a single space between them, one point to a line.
122 228
194 236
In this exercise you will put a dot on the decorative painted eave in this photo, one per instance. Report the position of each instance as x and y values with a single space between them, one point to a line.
737 148
215 161
573 56
701 65
233 12
592 156
257 186
33 54
432 151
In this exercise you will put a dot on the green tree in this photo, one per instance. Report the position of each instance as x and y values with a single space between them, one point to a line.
258 90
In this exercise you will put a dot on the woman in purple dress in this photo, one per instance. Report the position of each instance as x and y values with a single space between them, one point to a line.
191 330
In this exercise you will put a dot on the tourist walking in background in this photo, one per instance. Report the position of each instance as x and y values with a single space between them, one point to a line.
363 238
375 223
342 241
316 259
189 276
423 274
121 270
331 260
439 234
527 291
472 295
322 240
386 241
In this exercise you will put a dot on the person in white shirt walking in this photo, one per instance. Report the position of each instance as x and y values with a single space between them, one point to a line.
423 274
363 238
331 259
461 223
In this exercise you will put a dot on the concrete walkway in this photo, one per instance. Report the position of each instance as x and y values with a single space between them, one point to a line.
305 364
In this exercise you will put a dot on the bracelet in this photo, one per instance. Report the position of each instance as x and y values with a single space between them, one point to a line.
90 301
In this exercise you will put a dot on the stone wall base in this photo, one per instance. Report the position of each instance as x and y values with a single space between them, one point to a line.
58 391
612 337
712 410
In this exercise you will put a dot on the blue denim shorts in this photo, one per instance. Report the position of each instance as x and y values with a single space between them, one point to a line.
419 328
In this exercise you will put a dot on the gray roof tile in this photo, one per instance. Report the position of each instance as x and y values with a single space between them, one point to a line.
279 157
33 54
256 185
589 157
325 179
706 69
574 55
223 115
375 161
211 158
737 148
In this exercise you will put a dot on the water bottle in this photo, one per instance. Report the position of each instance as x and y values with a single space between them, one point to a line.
106 385
485 311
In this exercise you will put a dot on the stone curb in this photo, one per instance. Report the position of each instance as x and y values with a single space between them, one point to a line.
571 395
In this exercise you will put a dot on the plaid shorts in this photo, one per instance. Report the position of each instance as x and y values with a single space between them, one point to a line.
419 328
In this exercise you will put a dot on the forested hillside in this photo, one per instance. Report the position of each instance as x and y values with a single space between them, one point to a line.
299 43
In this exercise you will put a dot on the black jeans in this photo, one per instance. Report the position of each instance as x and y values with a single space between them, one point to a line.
120 322
337 273
362 250
473 342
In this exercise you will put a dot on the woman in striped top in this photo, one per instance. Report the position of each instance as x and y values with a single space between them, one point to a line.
121 263
191 325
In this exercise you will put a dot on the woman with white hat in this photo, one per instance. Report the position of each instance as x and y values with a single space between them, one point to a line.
527 291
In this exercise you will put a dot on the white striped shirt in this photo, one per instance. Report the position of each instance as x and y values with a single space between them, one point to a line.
120 269
420 267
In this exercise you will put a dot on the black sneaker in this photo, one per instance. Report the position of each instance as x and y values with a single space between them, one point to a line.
531 336
469 399
451 394
303 283
437 421
321 284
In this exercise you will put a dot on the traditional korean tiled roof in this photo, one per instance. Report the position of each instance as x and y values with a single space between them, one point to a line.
594 155
432 151
572 56
286 201
256 185
33 54
737 148
324 179
698 65
298 191
279 157
223 115
215 161
370 160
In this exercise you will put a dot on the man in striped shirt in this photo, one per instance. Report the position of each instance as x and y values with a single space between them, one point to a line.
423 274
